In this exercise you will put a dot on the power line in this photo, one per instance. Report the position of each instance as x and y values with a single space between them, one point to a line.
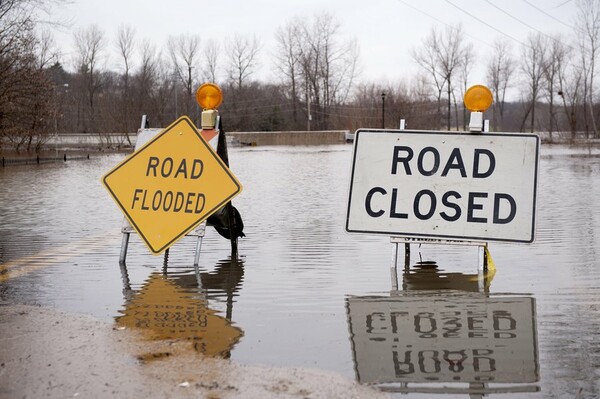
423 12
563 3
526 24
555 39
442 22
513 17
485 23
549 15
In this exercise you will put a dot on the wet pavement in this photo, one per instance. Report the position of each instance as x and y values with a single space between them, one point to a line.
303 293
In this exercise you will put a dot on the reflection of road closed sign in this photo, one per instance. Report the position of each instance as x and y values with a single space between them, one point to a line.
443 339
445 185
171 184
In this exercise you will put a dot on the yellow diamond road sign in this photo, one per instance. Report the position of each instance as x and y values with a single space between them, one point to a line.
171 184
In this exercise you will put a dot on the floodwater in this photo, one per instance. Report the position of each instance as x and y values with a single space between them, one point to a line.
303 293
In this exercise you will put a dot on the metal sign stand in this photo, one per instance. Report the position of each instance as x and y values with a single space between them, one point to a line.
144 135
395 240
475 125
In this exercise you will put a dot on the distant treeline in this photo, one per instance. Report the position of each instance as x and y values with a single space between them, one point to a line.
317 87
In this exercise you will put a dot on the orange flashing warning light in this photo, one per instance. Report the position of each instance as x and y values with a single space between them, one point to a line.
478 98
209 96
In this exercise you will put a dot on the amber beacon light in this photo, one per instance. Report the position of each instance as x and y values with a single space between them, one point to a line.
209 97
477 99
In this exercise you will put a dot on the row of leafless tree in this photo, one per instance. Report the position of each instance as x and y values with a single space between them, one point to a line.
554 73
25 90
553 76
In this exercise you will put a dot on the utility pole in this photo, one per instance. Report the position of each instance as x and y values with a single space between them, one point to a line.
383 110
308 106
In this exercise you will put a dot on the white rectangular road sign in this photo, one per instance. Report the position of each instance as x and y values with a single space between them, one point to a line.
463 186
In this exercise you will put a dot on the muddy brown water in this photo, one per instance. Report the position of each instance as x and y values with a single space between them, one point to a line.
303 293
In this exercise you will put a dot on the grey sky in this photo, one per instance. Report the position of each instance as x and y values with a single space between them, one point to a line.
386 30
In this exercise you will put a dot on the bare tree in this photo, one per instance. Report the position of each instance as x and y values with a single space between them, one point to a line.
25 91
90 45
426 56
328 66
553 62
287 61
184 51
146 77
16 23
211 61
242 54
443 55
465 70
46 49
452 52
570 83
532 67
500 69
163 93
587 26
125 44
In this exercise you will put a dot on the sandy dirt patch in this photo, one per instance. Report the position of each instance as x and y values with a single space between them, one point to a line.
45 353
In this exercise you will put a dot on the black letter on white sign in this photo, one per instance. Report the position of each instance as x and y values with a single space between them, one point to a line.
472 206
397 159
432 205
368 202
513 208
445 202
481 175
436 161
455 162
393 213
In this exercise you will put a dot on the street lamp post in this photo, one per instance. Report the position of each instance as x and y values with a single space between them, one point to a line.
383 110
65 87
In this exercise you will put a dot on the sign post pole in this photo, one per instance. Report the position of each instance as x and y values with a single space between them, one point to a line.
126 229
124 245
478 125
200 231
482 266
394 266
406 245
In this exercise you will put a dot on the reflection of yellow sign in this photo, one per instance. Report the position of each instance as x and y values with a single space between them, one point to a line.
162 310
171 184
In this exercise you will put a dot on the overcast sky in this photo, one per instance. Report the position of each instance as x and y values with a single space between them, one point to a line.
386 30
